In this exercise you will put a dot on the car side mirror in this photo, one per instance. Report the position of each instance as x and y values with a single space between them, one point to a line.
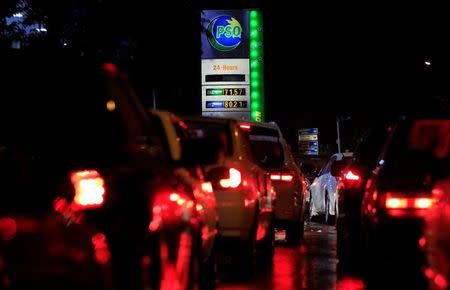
200 151
337 167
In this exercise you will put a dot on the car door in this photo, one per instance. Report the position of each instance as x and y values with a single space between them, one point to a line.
318 188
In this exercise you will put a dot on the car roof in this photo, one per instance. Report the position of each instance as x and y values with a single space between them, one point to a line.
269 125
217 120
343 155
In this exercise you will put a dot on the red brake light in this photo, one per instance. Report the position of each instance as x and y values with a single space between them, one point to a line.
234 179
400 201
275 176
246 127
394 203
352 179
282 177
207 187
287 177
423 202
351 176
89 188
110 68
8 228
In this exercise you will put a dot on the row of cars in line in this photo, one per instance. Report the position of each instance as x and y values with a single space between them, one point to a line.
97 192
389 201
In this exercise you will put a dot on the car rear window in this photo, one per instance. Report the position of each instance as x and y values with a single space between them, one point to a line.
369 149
200 129
419 150
266 146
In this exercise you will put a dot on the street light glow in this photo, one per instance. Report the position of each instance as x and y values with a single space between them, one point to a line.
427 63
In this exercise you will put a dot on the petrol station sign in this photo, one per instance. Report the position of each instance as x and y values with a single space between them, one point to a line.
232 63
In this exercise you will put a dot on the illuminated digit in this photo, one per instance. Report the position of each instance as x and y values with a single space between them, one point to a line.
235 92
225 104
235 104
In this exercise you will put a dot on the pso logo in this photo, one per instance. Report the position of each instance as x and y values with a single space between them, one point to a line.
225 33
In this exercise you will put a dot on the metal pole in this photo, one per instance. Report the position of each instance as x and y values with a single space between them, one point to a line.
154 98
338 141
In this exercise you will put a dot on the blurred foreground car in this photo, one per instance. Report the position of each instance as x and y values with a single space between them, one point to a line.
436 239
178 138
244 195
323 206
398 193
90 196
274 155
350 191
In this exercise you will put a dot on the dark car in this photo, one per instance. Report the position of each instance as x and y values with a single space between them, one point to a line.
88 190
274 155
436 240
398 195
350 192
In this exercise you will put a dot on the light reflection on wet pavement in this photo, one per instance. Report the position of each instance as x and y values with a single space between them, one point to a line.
312 265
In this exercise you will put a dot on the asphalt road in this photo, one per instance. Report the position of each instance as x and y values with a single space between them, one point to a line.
312 265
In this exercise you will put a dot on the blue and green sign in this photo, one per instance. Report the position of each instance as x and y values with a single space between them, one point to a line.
232 47
225 33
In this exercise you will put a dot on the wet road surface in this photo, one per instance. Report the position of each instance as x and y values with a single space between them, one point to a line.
312 265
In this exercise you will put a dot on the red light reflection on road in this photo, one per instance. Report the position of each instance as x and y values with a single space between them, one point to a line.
350 284
284 270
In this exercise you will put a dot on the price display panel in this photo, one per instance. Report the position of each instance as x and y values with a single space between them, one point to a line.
226 104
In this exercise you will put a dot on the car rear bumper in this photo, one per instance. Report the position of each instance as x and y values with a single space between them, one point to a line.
289 202
237 213
398 237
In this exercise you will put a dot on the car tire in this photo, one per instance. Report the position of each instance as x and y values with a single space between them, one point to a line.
341 244
331 221
294 232
266 248
307 215
246 258
326 214
208 271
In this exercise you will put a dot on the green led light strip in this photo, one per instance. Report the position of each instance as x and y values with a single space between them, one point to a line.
256 66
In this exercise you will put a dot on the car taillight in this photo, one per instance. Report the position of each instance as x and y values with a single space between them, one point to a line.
89 188
207 187
245 127
234 179
351 179
396 202
282 177
172 208
351 176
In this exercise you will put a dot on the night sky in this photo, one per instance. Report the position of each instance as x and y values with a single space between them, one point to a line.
322 60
